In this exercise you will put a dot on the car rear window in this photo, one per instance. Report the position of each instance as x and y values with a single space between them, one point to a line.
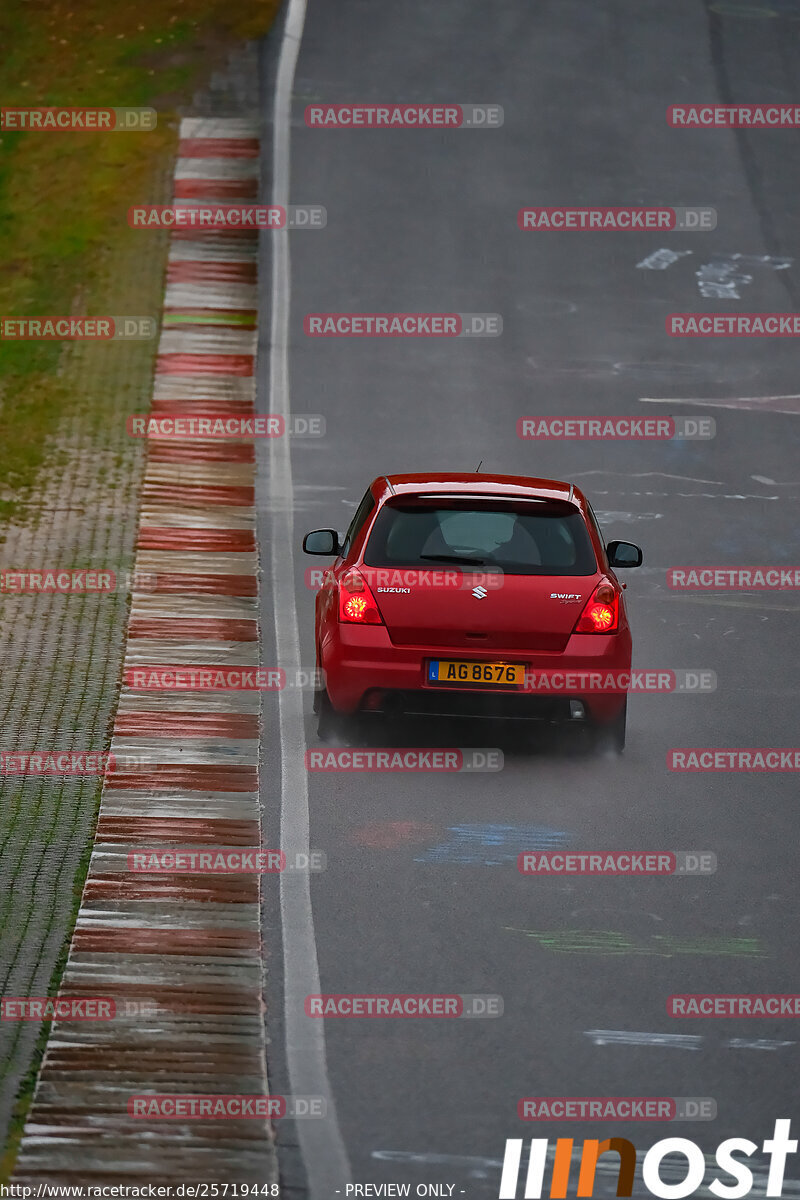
517 538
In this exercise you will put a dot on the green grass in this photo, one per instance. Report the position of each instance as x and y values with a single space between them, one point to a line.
26 1090
63 204
64 196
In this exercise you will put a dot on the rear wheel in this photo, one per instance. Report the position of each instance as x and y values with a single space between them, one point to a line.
332 726
610 738
326 723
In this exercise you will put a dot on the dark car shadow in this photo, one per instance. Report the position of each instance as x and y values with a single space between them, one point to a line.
516 739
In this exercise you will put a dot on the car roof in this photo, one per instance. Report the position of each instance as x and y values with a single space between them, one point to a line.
477 484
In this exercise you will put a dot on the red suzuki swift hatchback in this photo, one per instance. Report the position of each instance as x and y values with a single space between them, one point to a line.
460 594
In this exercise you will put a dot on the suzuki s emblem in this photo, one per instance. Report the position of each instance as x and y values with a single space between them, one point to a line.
479 592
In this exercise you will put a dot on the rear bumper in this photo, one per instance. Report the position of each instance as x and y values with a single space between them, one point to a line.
364 670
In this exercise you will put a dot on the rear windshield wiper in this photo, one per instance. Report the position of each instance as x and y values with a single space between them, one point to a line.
454 558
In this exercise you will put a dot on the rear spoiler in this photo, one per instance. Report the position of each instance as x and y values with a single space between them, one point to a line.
475 496
486 497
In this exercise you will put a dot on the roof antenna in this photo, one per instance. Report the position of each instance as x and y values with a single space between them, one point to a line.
480 464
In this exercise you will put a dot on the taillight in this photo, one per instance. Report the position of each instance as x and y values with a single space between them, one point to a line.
601 613
357 605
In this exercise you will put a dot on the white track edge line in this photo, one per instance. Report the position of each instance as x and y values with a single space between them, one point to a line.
323 1150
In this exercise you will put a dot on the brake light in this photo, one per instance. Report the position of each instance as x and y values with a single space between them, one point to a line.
357 605
601 613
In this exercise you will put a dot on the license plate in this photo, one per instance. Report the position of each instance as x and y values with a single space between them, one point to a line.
496 674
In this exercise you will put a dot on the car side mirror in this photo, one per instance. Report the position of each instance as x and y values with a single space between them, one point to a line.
623 554
322 541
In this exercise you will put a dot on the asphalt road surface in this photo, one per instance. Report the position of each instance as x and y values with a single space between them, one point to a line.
422 891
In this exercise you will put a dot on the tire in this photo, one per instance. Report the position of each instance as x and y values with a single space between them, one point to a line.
610 738
317 705
332 726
